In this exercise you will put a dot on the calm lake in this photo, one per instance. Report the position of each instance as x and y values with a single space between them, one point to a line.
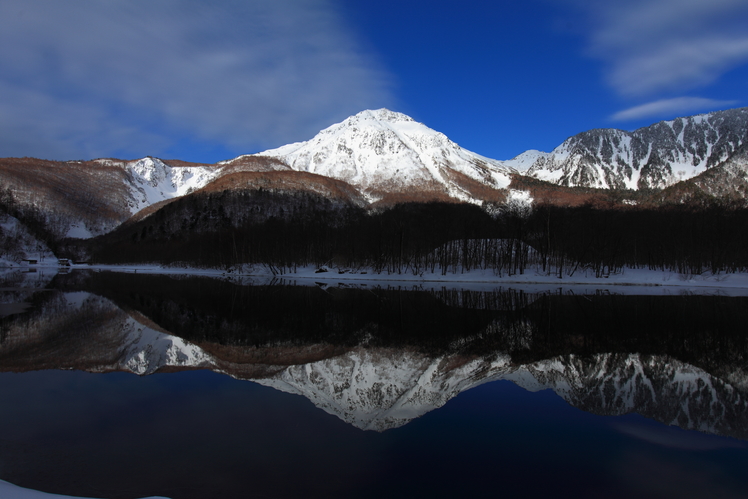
128 385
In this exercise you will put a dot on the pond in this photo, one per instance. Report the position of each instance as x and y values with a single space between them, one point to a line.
129 385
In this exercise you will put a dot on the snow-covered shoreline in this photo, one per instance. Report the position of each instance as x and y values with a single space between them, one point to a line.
10 491
628 281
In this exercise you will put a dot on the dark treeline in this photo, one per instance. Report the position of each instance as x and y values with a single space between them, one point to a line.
286 230
676 238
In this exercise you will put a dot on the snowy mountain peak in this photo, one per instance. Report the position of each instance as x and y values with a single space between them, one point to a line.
382 151
651 157
150 170
151 181
382 115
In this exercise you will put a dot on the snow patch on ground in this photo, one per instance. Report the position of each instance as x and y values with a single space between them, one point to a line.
20 244
79 231
519 201
10 491
524 161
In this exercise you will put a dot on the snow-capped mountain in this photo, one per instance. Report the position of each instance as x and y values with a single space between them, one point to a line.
146 182
82 199
151 181
652 157
147 350
728 180
381 152
386 157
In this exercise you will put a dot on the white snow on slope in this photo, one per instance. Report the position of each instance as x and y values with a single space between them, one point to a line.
524 161
152 181
147 181
385 150
79 231
672 391
659 155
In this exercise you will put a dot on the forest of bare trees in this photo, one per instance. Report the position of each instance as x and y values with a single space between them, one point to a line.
284 230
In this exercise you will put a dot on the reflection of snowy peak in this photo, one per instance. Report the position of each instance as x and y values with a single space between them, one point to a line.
661 388
98 336
146 350
380 390
141 349
369 387
655 156
386 151
151 181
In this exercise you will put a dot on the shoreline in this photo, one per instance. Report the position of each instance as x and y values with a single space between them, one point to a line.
649 281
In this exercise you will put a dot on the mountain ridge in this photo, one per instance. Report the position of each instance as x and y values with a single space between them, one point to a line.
655 156
381 158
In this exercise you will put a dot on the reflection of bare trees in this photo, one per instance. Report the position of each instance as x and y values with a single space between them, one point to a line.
56 333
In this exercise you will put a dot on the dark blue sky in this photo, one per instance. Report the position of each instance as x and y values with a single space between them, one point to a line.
206 81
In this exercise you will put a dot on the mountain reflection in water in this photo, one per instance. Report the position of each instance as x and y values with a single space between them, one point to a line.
378 357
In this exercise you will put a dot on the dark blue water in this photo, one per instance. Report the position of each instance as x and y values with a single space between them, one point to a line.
202 434
188 434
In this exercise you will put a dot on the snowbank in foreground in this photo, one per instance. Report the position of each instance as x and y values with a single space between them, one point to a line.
10 491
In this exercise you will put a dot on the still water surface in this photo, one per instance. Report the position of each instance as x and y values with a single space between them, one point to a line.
369 391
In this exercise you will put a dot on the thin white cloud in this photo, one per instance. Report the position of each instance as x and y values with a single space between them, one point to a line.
674 107
653 46
35 124
680 64
112 76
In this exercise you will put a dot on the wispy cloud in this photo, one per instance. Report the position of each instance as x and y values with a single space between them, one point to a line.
96 78
652 46
677 106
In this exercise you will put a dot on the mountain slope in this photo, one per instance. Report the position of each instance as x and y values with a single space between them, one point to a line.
382 152
82 199
652 157
726 182
384 158
150 181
